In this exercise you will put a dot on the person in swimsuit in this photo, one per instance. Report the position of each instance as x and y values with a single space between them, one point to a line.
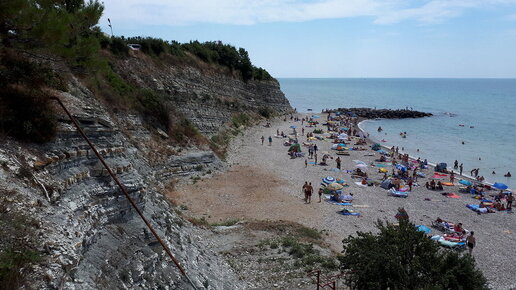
470 240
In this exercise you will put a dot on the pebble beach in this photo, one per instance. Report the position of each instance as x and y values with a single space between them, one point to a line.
264 183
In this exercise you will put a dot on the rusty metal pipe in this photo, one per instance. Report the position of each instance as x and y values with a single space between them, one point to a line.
124 191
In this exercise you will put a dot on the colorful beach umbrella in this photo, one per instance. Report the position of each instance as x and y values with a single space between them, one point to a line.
500 186
328 180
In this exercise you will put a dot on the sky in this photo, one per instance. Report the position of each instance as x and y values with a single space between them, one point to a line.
339 38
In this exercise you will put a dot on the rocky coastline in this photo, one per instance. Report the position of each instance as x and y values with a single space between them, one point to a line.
370 113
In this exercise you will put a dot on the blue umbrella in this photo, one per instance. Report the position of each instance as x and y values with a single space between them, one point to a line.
315 116
328 179
293 127
465 182
500 186
424 229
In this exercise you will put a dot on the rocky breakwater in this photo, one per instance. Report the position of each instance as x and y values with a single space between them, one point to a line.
368 113
208 95
81 225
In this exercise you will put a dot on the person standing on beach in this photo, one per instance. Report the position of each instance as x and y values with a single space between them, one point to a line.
456 164
308 192
338 162
263 139
510 199
315 159
315 149
452 177
410 181
306 163
320 193
270 140
470 240
460 168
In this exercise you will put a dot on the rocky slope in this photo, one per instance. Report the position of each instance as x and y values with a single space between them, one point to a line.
82 226
208 95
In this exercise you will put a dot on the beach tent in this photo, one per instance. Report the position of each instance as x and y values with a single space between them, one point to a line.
441 167
401 167
465 182
424 229
500 186
386 184
295 148
376 147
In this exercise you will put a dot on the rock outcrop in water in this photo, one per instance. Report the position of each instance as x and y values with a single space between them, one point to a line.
369 113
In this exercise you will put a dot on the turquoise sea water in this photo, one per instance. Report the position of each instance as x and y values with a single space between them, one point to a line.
489 105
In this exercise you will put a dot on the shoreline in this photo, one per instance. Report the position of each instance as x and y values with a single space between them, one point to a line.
263 183
411 157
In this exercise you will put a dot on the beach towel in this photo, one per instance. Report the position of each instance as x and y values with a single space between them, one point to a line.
447 183
395 193
452 195
476 208
423 229
338 203
360 184
348 212
360 205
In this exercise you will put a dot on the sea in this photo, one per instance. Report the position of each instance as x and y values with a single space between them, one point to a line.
473 122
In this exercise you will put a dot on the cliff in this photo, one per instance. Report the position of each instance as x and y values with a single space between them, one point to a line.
78 225
207 94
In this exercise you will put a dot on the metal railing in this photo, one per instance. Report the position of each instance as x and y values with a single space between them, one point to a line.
124 191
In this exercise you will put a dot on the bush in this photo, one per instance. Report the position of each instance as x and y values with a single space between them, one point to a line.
400 257
265 112
118 46
26 115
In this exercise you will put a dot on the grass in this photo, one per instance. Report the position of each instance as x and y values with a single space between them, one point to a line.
309 233
305 254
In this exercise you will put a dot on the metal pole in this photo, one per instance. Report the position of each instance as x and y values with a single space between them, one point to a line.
124 191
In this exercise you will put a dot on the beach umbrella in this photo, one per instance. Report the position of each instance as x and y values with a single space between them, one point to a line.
361 166
500 186
424 229
334 186
465 182
293 126
359 162
315 116
328 180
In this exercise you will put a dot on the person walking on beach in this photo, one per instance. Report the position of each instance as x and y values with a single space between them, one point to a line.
270 140
315 159
460 168
470 240
306 163
263 139
456 164
410 181
338 162
320 193
304 190
510 199
308 192
315 149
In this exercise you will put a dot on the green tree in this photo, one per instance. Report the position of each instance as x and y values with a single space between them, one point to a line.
400 257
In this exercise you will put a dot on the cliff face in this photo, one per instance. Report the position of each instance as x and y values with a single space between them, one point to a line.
86 231
206 95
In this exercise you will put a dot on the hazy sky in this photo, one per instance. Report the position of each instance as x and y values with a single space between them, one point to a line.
339 38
